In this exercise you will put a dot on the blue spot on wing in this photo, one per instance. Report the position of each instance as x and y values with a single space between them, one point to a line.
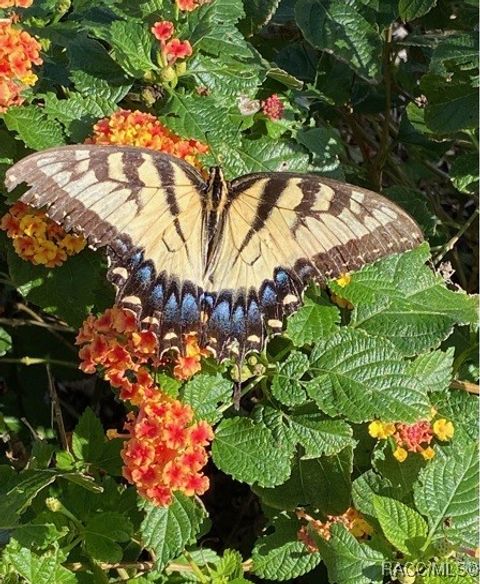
189 311
156 296
239 324
171 308
144 275
220 317
268 296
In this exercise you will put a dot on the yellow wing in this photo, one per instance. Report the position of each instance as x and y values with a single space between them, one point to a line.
145 206
282 230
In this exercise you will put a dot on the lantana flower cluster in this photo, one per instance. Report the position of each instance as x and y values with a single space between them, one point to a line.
272 107
190 5
38 239
19 51
135 128
172 48
351 519
165 451
15 3
412 438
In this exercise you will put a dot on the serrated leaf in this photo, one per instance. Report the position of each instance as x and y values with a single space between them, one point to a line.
249 452
167 530
19 490
411 9
205 392
362 378
447 494
45 569
33 127
312 321
68 291
348 561
326 146
434 370
464 172
319 437
453 108
132 46
287 386
285 78
257 14
226 76
400 476
5 342
280 555
402 300
103 532
323 483
404 528
338 28
77 113
88 436
364 489
455 49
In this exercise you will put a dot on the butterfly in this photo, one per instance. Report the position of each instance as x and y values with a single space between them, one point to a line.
225 260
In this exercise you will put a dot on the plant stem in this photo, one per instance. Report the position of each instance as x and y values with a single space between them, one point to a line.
38 361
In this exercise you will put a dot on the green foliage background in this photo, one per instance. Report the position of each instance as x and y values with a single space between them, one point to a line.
379 93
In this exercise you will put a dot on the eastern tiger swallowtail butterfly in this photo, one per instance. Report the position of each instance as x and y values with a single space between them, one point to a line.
227 260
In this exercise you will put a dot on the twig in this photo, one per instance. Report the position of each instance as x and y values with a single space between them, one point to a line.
80 566
14 322
451 243
465 386
57 410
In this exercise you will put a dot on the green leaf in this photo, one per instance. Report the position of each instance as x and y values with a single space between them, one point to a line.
287 386
365 488
167 530
103 532
280 555
68 291
205 392
5 342
78 114
315 319
19 490
249 452
319 437
452 108
326 146
362 378
458 49
33 127
400 476
132 46
347 560
44 569
447 494
464 172
228 76
400 299
411 9
88 436
434 370
339 28
323 483
404 528
257 14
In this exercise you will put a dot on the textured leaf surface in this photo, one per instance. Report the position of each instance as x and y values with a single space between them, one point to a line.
447 494
312 321
44 569
362 378
33 127
339 28
280 555
404 528
433 370
205 392
287 386
411 9
348 561
249 452
167 530
402 300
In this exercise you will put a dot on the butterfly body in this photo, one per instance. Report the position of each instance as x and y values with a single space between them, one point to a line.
226 260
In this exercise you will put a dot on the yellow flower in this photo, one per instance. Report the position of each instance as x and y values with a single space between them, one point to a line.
29 79
73 243
344 280
33 225
400 454
360 527
442 429
428 453
381 430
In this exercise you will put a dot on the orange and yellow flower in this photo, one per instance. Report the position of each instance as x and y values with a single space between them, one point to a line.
412 438
190 5
166 450
15 3
37 239
189 364
136 128
272 107
351 519
19 51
